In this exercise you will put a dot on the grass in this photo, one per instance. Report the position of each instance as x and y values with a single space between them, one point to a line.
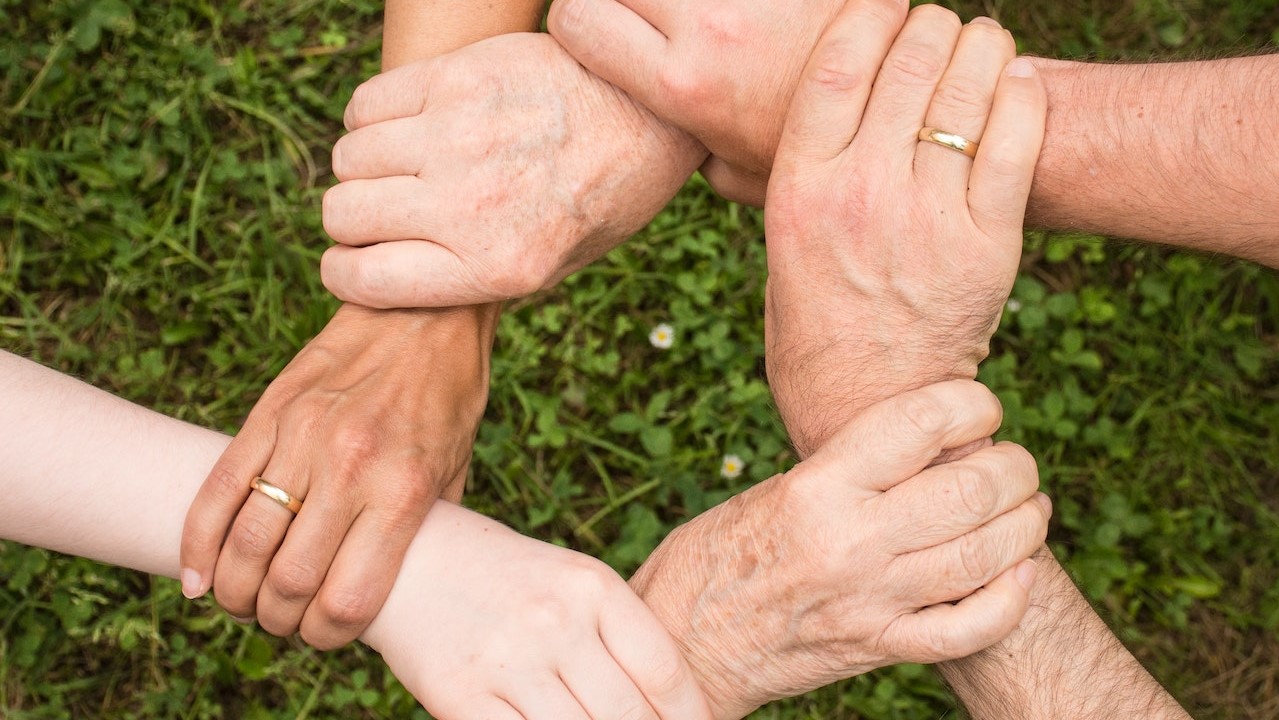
160 172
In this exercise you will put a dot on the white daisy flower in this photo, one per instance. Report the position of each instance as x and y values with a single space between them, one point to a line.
1013 305
662 337
732 467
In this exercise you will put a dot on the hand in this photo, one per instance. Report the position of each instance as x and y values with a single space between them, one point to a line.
890 259
486 623
723 71
848 562
368 425
502 168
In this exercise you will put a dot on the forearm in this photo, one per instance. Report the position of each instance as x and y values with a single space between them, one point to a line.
1061 662
419 29
1177 153
86 473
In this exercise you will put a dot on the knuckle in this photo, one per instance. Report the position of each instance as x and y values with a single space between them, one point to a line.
964 94
294 581
923 415
972 562
834 70
722 25
1003 165
667 675
339 159
232 602
333 211
252 537
937 15
348 607
570 17
885 12
1020 465
940 643
225 482
357 107
685 86
976 496
594 579
1035 527
356 443
916 63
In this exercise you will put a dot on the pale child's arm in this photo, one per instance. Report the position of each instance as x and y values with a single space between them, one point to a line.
520 628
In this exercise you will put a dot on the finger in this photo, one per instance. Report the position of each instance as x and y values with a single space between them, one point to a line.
617 44
734 184
645 650
962 103
893 440
908 79
365 212
944 502
465 706
827 108
603 689
548 699
399 93
409 273
1005 165
385 149
298 569
948 632
360 577
219 500
256 534
955 569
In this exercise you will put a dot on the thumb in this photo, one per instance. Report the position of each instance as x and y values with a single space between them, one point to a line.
615 43
947 632
893 440
404 274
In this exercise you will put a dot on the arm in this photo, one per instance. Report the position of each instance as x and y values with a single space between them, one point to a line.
1061 662
323 430
1122 140
1165 153
87 473
420 29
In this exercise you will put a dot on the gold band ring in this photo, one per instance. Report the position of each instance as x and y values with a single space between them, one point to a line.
950 141
287 501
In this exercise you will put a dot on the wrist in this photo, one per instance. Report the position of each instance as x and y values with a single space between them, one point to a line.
822 394
1061 662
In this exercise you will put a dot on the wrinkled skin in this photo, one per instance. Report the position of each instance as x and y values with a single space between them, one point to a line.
723 70
847 563
502 167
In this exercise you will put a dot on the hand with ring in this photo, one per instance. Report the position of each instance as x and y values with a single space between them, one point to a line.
305 519
894 214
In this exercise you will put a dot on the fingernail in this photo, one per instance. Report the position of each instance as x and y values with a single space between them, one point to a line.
1026 572
983 20
242 620
192 584
1045 502
1021 68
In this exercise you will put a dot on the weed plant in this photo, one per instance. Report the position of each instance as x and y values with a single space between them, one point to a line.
161 166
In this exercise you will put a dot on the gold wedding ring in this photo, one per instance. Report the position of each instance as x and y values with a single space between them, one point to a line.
948 140
287 501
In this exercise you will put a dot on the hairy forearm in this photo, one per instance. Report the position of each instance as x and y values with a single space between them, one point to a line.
1062 662
1177 153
